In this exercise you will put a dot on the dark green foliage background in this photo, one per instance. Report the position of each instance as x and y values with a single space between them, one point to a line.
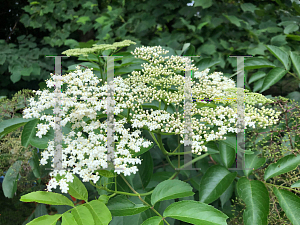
214 29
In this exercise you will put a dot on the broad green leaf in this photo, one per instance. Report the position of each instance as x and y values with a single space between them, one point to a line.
105 173
15 77
227 154
227 194
281 55
257 63
256 76
35 164
100 212
145 171
230 140
204 4
42 143
191 49
26 71
40 210
71 43
68 219
290 28
155 220
259 49
136 219
214 182
290 204
253 161
103 198
83 19
296 184
258 85
47 220
248 7
45 197
171 189
121 206
272 78
77 189
2 59
207 48
233 19
212 148
294 95
196 213
296 6
10 125
10 180
172 142
296 62
201 25
185 47
278 40
28 132
206 63
283 165
82 215
256 196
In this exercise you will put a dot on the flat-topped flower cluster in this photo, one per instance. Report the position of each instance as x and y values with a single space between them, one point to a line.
84 101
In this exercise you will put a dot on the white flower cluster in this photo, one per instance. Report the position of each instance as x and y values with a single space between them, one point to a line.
86 154
84 101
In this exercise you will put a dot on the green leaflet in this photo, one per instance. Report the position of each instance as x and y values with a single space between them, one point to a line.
281 55
171 189
283 165
68 219
82 215
155 220
46 198
196 213
256 196
47 219
77 189
121 206
214 183
290 204
253 161
100 212
10 181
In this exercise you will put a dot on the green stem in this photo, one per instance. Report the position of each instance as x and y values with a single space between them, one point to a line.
119 192
195 160
294 75
279 186
112 195
139 195
179 153
179 144
160 144
128 115
166 106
